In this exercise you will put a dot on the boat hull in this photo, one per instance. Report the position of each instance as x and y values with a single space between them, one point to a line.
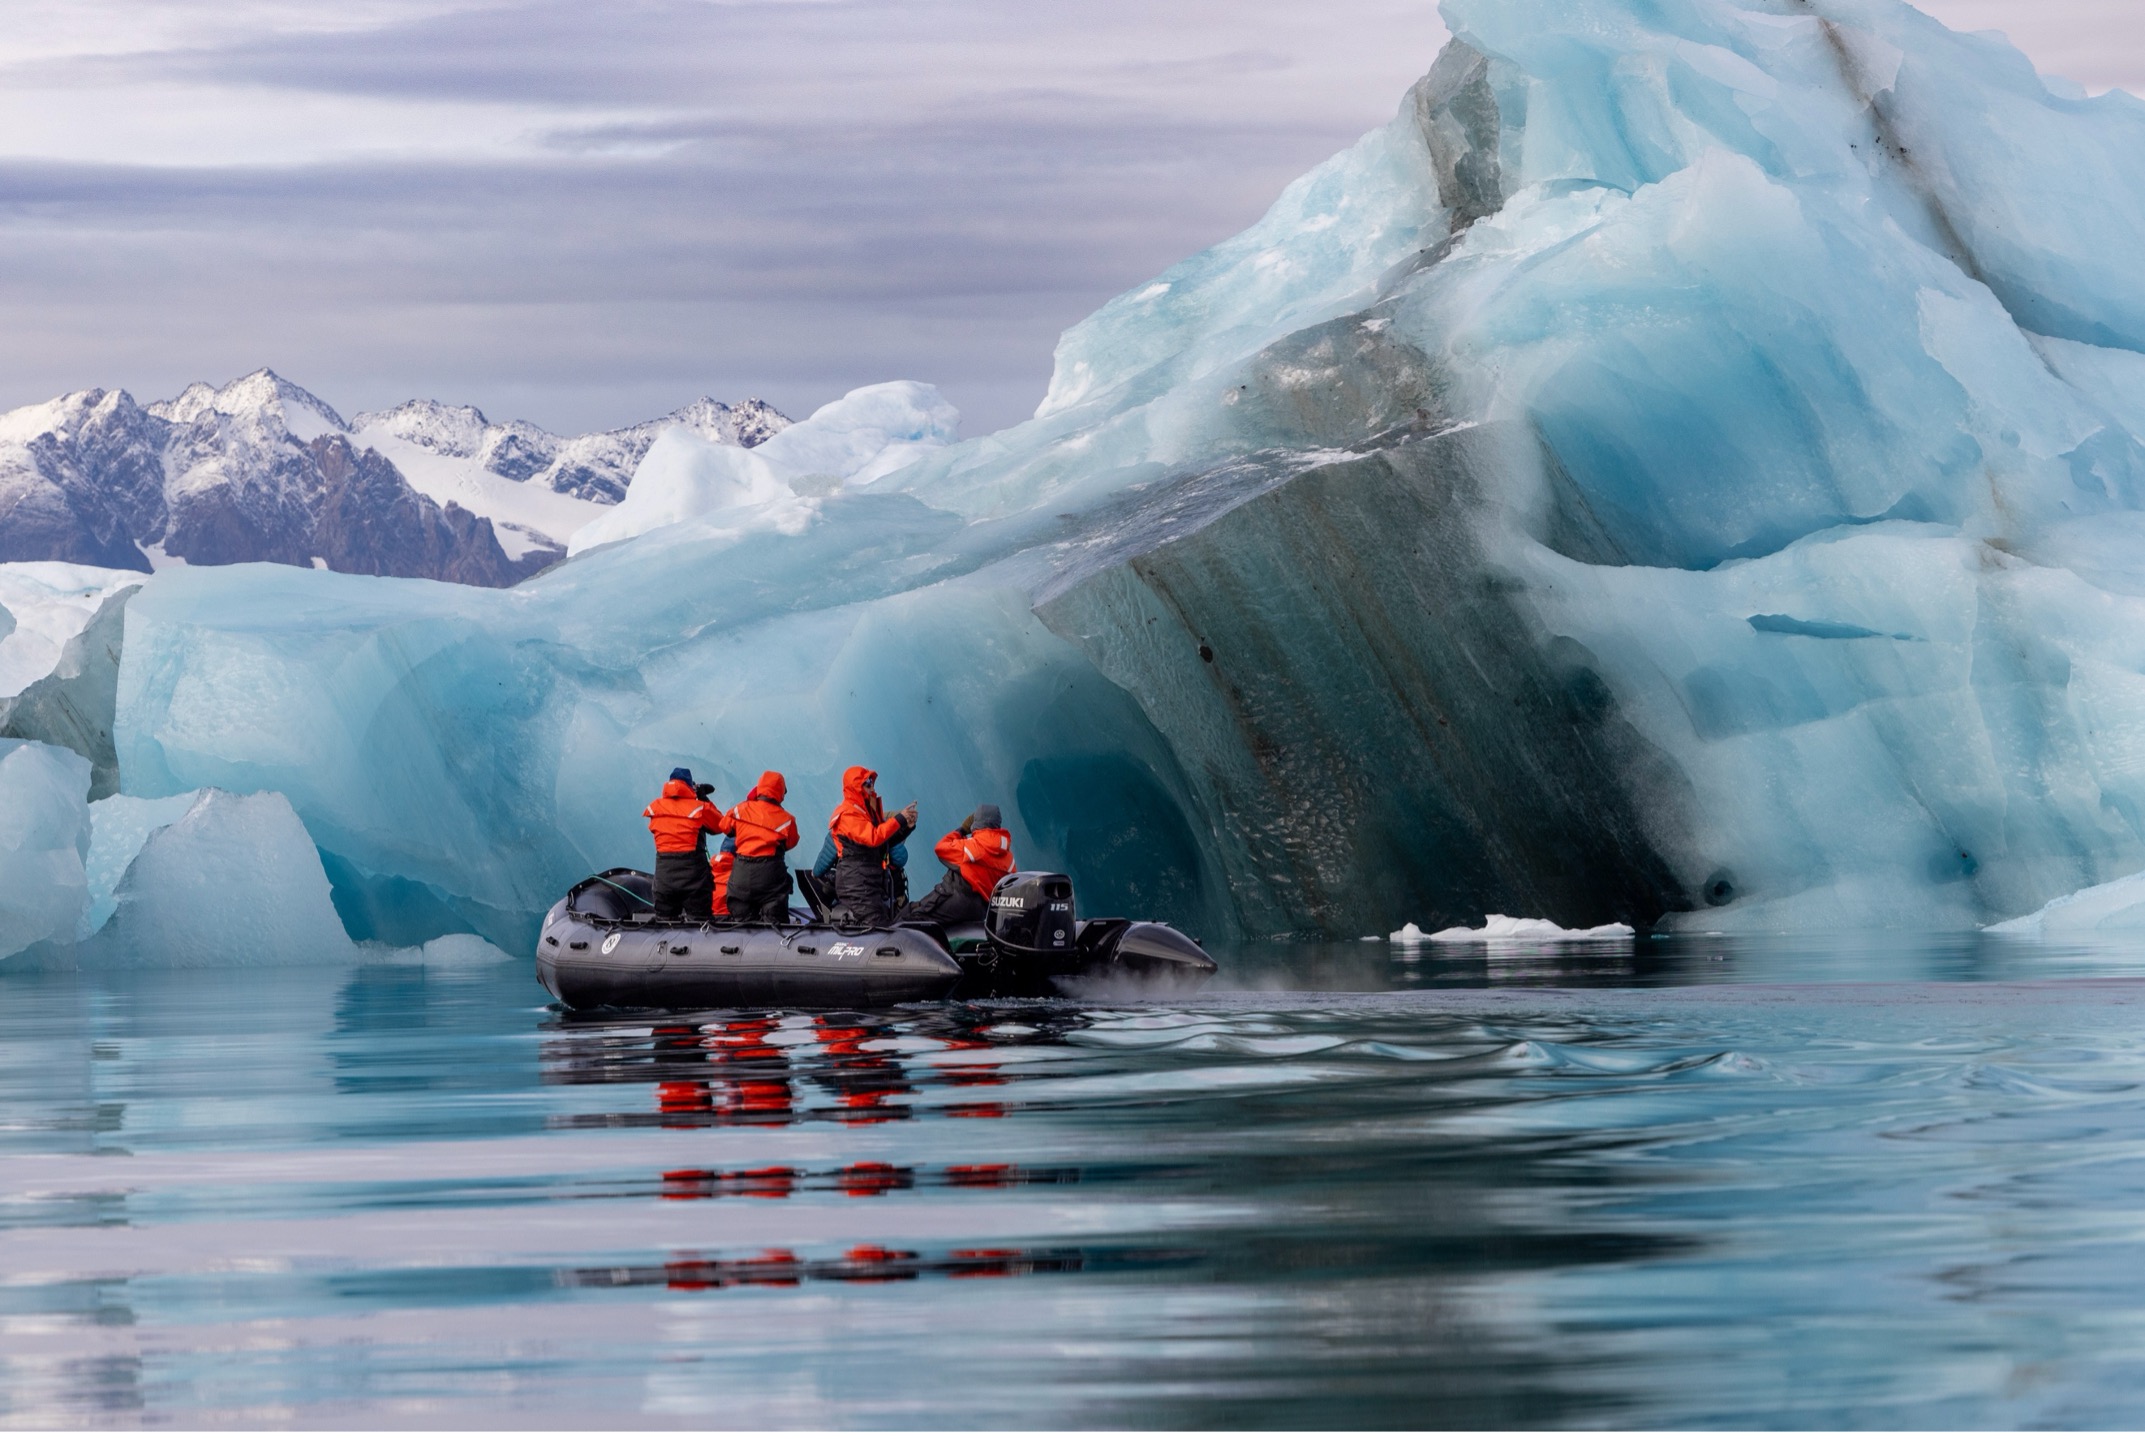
602 947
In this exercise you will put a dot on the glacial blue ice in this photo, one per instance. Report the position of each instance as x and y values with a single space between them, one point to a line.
44 829
2116 907
1686 468
119 825
232 880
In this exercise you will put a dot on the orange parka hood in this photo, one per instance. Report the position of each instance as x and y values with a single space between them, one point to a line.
771 787
854 780
860 819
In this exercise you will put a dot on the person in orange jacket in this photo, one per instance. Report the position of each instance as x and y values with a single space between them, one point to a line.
862 835
976 856
764 833
681 819
719 867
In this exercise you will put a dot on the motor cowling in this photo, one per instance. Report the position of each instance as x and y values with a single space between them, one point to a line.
1032 912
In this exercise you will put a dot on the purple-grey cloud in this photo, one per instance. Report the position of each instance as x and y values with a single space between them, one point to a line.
586 214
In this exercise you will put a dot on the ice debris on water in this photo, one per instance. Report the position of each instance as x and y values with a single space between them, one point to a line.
1499 927
1505 927
1690 462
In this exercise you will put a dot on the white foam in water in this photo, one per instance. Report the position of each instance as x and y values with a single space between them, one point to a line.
44 829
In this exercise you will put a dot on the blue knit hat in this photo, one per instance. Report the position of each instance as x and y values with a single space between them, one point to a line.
681 772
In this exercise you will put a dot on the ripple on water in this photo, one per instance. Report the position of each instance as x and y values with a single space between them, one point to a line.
358 1197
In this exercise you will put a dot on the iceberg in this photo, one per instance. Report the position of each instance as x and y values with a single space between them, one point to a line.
43 605
232 880
1688 467
2117 907
44 831
863 436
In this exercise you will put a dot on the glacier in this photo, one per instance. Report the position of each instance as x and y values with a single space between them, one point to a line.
1684 470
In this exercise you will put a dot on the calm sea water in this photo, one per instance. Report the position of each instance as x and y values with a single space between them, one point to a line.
1863 1182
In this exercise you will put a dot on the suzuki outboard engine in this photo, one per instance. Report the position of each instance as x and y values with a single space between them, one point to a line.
1032 914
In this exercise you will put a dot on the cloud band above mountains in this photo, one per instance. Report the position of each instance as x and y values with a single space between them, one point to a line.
582 215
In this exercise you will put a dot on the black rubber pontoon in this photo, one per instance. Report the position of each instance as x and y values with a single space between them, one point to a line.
602 946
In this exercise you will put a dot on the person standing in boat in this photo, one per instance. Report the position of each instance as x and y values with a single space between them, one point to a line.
681 819
764 833
976 856
864 837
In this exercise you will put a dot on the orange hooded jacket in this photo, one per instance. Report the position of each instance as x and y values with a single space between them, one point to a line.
860 819
679 817
983 857
719 867
760 825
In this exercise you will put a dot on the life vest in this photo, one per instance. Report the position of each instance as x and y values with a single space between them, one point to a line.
719 868
859 823
681 820
761 827
983 857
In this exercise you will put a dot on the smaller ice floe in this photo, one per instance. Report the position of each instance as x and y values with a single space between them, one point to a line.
1501 927
2116 906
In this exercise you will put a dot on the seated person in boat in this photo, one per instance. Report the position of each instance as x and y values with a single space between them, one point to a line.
681 819
864 837
976 856
764 833
719 869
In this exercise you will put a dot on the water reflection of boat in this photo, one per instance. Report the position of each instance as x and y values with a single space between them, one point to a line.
603 946
760 1068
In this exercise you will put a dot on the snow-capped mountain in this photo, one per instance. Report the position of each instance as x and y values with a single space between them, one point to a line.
261 469
589 467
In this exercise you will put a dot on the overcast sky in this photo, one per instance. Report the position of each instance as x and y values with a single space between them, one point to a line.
585 214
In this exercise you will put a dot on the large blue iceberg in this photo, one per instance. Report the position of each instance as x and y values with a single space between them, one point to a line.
1686 468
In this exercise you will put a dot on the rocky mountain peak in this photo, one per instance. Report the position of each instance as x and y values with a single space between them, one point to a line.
263 469
263 393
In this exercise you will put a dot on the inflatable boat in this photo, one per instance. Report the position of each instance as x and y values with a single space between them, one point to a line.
602 946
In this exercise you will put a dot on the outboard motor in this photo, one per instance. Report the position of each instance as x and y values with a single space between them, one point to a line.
1032 913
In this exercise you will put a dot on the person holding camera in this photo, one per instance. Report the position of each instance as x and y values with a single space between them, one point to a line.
681 819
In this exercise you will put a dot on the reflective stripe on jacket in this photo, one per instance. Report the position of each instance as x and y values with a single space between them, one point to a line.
680 818
760 826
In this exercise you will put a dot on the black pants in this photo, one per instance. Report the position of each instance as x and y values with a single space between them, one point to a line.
863 887
951 901
683 886
759 889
